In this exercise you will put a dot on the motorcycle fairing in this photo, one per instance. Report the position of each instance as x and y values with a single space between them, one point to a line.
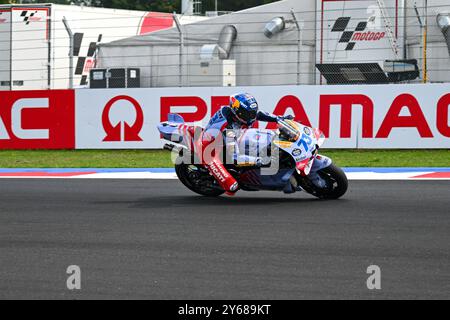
255 179
304 149
174 129
175 118
321 162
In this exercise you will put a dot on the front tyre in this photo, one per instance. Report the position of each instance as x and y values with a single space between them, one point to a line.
336 183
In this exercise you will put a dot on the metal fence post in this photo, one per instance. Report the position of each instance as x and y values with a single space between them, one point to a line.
70 33
425 48
299 53
180 31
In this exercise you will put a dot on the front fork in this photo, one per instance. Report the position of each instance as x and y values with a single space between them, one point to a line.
312 165
320 163
307 175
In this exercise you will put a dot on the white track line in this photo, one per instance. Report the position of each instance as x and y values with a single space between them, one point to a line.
383 176
129 175
171 175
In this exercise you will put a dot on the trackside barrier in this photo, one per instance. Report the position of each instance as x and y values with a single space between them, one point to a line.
378 116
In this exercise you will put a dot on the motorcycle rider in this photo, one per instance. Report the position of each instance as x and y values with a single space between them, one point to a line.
241 113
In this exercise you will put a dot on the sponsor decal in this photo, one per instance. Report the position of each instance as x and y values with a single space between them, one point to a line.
283 144
347 103
235 103
352 37
218 172
296 152
394 116
130 132
307 131
37 120
390 116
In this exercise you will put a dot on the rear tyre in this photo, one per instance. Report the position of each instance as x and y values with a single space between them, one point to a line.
197 180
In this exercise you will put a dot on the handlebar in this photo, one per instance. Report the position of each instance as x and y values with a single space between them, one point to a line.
287 131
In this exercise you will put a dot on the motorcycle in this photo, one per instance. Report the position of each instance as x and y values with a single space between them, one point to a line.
293 146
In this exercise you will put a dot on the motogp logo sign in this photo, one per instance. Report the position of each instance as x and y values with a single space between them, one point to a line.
357 35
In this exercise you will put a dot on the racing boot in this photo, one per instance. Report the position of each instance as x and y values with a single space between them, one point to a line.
223 177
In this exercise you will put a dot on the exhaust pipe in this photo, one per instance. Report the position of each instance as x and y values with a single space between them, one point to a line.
173 148
168 147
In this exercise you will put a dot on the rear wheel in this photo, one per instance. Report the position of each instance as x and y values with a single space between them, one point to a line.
198 180
336 181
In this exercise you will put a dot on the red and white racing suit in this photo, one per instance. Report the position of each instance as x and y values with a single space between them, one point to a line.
213 139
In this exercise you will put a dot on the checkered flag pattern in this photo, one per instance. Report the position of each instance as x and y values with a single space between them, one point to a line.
81 62
341 25
27 15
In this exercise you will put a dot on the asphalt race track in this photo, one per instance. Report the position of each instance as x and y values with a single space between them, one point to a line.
154 239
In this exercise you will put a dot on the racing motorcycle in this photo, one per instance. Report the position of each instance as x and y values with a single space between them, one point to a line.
293 146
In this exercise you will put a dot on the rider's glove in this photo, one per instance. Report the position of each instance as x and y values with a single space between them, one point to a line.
258 162
262 162
288 117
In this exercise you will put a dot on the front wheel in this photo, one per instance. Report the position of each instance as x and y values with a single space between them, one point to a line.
336 183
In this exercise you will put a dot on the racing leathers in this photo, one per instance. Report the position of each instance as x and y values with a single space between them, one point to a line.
223 126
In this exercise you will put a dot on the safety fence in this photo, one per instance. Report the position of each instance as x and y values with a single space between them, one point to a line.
257 47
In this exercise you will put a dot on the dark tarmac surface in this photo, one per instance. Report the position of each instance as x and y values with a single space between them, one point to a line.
154 239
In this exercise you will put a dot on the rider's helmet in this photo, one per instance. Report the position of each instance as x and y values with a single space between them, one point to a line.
244 107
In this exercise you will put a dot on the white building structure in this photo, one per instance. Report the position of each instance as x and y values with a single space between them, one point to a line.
281 43
35 44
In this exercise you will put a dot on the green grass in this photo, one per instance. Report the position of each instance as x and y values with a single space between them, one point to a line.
390 158
85 159
161 159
